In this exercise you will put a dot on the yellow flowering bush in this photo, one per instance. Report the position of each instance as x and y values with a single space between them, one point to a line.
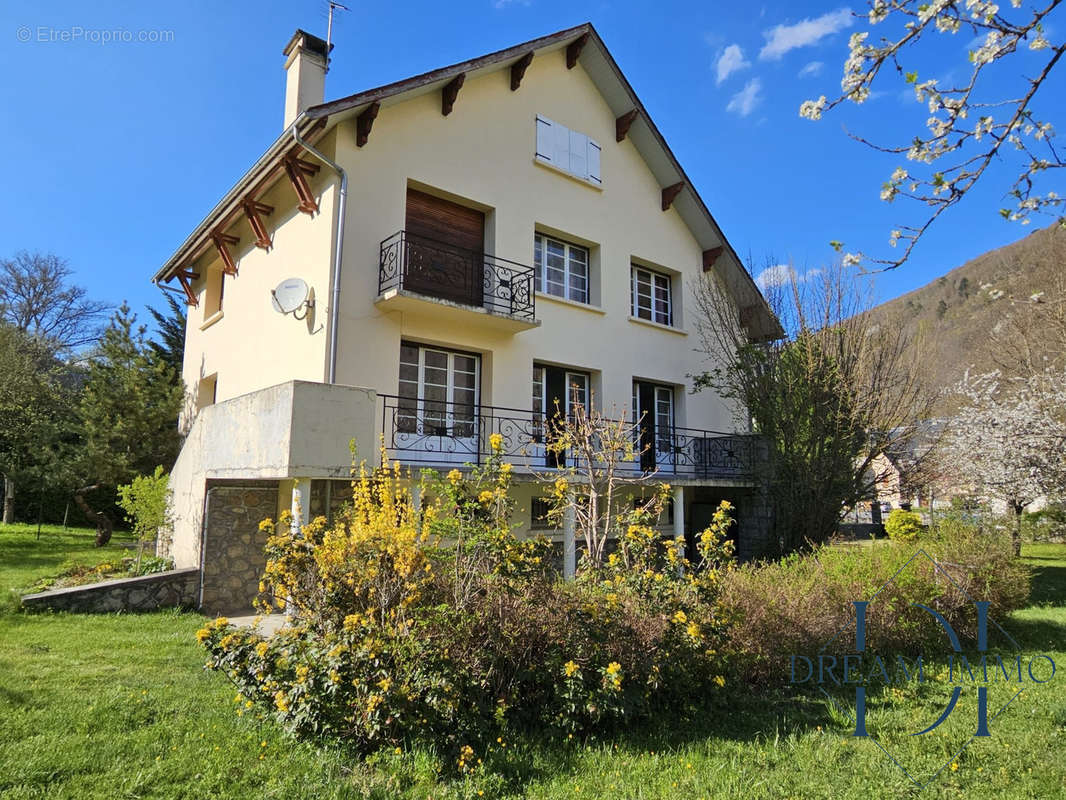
439 624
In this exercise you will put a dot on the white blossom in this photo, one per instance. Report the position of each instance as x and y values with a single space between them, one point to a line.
812 109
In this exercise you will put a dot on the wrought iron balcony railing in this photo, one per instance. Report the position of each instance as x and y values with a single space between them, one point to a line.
437 269
439 433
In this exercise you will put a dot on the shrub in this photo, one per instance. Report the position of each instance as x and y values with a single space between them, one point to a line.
796 605
445 627
146 501
903 526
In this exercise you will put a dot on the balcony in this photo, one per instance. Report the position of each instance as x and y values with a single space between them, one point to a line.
441 434
419 275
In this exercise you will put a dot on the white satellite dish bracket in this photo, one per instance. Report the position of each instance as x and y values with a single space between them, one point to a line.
292 296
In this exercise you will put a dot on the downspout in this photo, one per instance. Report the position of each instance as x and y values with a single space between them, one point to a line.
338 250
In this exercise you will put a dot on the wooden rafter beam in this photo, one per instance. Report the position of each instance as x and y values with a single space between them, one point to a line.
450 92
710 257
184 276
364 122
222 242
298 170
518 70
621 125
252 210
573 50
670 193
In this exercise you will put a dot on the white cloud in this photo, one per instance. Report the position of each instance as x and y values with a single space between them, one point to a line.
782 275
745 101
731 60
782 38
811 70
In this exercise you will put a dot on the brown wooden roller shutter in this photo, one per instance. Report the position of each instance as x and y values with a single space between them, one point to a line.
445 221
445 249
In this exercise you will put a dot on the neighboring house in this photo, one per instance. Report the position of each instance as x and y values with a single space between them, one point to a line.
479 242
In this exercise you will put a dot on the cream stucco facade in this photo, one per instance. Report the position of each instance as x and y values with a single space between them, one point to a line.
481 155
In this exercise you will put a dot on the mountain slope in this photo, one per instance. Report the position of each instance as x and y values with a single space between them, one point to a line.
956 318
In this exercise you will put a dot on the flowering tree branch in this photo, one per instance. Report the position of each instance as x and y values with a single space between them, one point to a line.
967 129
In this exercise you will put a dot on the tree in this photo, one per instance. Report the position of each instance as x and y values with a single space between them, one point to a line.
171 344
970 125
37 300
129 410
36 297
826 399
36 402
1009 438
594 487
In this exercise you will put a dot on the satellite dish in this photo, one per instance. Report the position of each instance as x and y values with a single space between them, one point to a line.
289 295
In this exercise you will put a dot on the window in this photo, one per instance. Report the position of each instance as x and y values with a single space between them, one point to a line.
214 286
653 413
438 392
568 150
207 391
651 293
538 514
562 269
551 383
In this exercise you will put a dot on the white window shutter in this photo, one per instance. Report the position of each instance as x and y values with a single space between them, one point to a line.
545 141
594 162
579 146
561 146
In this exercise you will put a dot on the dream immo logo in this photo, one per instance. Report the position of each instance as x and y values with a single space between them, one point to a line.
974 673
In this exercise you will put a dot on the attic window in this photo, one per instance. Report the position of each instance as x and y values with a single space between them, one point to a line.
568 150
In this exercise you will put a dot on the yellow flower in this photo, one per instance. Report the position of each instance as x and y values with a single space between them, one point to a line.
693 630
719 680
614 668
485 497
680 617
455 476
954 766
261 649
570 668
496 442
281 701
202 634
506 468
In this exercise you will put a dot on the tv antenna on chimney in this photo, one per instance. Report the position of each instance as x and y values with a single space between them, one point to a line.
333 4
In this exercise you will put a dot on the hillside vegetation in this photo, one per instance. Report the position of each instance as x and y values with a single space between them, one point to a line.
959 319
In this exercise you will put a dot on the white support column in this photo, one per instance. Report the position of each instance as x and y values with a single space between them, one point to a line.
569 542
679 517
301 502
416 498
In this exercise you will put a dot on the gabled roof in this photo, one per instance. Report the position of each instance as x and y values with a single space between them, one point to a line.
601 67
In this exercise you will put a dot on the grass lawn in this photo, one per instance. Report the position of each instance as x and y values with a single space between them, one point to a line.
118 706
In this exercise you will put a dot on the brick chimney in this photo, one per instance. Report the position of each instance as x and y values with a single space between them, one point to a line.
306 58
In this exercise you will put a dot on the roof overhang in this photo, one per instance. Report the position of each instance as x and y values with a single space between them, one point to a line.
601 67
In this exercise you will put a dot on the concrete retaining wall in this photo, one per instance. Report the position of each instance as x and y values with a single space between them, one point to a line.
178 587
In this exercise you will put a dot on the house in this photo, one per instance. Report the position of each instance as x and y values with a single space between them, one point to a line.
437 260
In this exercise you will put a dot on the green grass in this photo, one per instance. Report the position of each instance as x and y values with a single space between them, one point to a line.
119 706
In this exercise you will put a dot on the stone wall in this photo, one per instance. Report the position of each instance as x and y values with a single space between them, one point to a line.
234 555
178 587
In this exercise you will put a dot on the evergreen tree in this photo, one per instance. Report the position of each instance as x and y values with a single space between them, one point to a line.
129 410
170 346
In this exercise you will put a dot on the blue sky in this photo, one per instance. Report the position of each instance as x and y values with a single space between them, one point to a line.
114 151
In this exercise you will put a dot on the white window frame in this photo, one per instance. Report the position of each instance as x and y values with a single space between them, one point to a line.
541 409
571 151
540 266
656 281
450 402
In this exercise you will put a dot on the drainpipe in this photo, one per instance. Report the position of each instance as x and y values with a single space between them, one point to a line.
338 250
